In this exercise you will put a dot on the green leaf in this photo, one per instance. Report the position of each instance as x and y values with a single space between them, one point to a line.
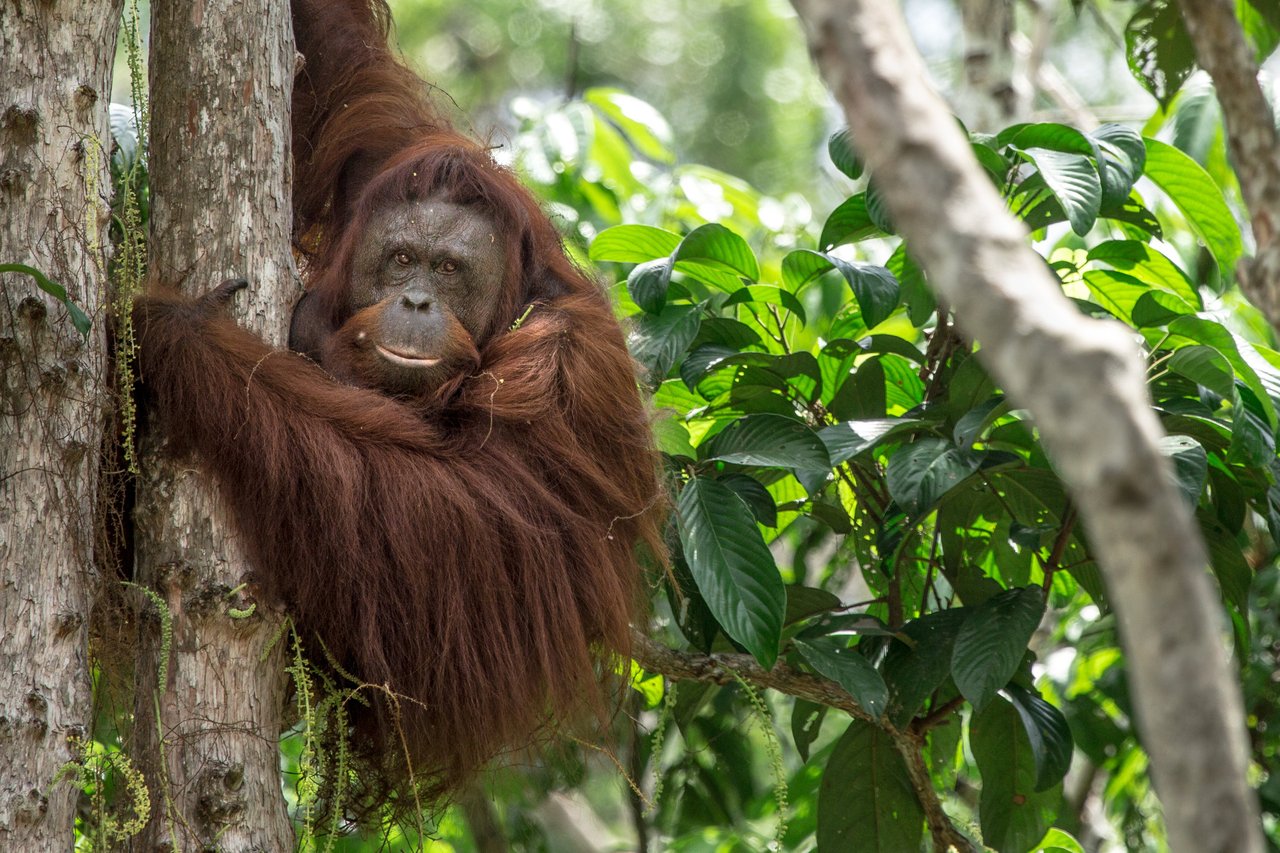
1057 841
732 567
1205 366
1148 265
804 602
876 209
1190 465
921 473
973 422
1048 733
647 285
717 247
915 292
633 244
1074 181
657 341
840 147
1121 158
866 802
832 657
914 673
806 724
1249 368
861 396
672 438
1115 291
992 642
758 499
1160 52
644 126
874 287
1158 308
1014 815
1228 562
769 295
848 223
79 319
1200 200
769 440
846 440
1047 135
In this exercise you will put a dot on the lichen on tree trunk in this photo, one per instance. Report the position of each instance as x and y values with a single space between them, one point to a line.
221 75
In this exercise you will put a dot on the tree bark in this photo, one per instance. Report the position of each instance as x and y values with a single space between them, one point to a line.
1252 138
990 94
1083 382
221 77
55 61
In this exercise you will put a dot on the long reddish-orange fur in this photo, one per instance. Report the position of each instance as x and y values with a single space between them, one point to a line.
474 551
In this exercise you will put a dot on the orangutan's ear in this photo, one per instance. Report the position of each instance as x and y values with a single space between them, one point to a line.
309 329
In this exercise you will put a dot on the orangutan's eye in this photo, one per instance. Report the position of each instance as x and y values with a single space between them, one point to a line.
402 258
448 266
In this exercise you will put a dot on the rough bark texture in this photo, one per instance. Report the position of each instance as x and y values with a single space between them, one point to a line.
55 64
221 74
1251 135
1083 382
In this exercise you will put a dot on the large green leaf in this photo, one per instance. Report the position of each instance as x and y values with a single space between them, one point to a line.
992 642
657 341
1074 181
1159 49
1115 291
840 147
770 440
921 473
846 440
1047 135
1190 464
1121 158
914 673
1250 370
633 244
848 223
832 657
712 245
1048 733
1205 366
1013 813
732 567
1200 200
1148 265
874 287
866 802
647 285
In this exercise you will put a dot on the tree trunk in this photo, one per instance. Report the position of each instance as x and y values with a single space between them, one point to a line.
1253 139
990 94
55 61
221 76
1084 384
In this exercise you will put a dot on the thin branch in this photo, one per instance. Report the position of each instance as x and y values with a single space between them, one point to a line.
722 668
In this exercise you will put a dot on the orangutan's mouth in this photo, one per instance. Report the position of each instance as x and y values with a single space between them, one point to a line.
406 359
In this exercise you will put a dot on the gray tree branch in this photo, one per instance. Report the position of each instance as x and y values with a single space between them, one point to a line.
1083 382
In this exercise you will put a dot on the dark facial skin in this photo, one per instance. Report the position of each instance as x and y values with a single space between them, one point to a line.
426 281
